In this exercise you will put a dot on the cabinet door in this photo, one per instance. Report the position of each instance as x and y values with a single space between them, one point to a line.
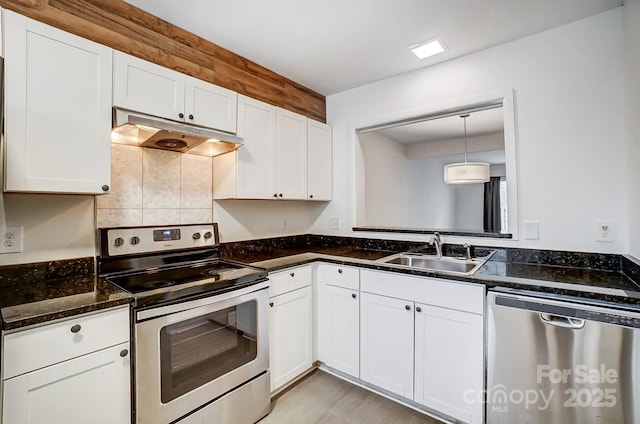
450 362
319 163
210 106
143 86
91 389
256 163
58 110
339 328
292 155
290 336
386 349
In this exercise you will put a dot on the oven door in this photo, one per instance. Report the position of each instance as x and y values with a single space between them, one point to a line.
191 353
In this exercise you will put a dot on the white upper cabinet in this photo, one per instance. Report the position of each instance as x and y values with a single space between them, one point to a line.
250 171
209 105
275 161
319 163
58 110
145 87
292 155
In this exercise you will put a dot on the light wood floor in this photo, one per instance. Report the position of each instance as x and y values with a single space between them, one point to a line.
324 399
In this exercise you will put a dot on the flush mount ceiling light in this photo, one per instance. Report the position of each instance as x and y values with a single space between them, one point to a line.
430 48
466 172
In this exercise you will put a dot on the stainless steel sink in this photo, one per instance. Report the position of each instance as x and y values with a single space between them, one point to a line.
443 264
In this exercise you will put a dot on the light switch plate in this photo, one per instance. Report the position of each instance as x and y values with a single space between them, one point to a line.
334 223
531 230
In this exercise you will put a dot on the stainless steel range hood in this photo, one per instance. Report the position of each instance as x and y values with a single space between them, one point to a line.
138 129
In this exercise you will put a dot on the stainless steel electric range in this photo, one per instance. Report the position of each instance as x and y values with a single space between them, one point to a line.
199 324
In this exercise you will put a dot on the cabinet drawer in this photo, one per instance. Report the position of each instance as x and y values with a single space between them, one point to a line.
425 290
340 276
289 279
39 347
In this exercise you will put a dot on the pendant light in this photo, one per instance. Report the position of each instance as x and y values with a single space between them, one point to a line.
466 172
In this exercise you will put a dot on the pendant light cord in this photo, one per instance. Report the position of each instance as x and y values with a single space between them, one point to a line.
464 117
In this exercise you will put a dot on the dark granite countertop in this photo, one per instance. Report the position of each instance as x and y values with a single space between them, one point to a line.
602 277
36 293
44 291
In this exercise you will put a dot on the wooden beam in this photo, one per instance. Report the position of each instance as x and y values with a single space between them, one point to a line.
124 27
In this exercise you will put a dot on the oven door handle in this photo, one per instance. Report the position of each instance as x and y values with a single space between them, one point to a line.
160 311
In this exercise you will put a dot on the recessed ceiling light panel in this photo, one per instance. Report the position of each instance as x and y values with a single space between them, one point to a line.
428 49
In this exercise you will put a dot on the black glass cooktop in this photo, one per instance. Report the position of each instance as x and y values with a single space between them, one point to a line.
153 287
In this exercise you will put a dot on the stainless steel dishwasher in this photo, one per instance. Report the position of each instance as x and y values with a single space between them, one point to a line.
557 361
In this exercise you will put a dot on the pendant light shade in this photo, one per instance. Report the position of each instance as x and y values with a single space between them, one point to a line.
466 172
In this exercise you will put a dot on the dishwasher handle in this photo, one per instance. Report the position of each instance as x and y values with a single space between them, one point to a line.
560 321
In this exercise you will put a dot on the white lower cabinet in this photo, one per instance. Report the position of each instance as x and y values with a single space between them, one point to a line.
387 343
91 389
423 339
339 328
449 361
71 371
338 317
290 326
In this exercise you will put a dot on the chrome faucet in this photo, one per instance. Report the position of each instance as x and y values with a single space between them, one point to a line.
436 241
468 251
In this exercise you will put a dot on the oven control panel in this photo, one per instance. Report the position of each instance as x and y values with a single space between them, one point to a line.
127 241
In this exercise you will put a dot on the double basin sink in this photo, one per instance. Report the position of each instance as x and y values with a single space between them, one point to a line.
445 264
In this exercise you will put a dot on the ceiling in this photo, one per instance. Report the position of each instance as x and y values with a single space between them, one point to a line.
335 45
489 121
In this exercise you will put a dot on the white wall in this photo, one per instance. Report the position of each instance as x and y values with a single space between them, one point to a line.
251 219
54 226
632 117
569 121
432 202
469 207
386 180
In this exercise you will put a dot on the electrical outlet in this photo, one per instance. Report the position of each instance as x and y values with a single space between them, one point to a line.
334 223
605 231
284 224
11 239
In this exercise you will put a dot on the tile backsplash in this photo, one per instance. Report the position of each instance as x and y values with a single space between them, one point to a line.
156 187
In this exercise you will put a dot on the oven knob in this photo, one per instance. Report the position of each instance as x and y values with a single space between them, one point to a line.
196 236
208 235
134 240
118 241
